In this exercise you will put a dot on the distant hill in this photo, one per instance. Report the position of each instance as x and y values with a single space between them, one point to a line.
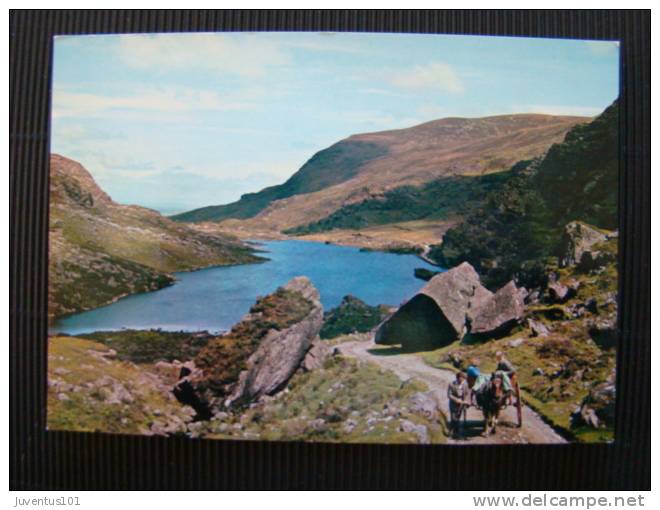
100 250
365 166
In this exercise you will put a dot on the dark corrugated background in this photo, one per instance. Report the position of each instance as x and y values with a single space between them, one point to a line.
48 460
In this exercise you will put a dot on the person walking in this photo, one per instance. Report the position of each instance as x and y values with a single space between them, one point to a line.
457 393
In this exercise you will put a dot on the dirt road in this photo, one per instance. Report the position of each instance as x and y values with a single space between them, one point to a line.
406 366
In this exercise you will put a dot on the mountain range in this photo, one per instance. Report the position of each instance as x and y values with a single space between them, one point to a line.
367 166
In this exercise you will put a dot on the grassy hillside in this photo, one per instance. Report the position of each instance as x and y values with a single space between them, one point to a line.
101 250
579 178
520 224
89 390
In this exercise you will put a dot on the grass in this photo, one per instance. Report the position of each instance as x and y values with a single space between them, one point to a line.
77 370
345 401
408 236
101 280
439 200
149 346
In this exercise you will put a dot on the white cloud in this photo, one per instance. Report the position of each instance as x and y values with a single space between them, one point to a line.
164 99
246 56
436 75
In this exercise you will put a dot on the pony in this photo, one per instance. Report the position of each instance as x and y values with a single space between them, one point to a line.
491 398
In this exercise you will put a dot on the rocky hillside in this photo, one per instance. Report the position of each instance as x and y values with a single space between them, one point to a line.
269 378
522 222
101 250
90 389
563 341
366 166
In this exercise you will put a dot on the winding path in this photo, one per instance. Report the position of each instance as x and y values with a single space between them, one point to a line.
406 366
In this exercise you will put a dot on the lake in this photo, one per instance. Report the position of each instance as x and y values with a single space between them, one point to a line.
216 298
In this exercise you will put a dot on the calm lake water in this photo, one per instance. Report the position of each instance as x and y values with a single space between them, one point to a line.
214 299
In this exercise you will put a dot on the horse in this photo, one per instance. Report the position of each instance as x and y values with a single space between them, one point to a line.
491 398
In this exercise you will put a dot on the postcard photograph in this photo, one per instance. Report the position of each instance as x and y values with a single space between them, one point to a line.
334 237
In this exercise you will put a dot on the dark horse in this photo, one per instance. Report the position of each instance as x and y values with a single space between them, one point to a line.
491 398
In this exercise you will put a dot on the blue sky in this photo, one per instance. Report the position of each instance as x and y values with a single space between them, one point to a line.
179 121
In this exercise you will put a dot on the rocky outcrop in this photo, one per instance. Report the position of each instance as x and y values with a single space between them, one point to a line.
537 328
498 313
577 240
259 355
456 292
438 314
426 404
560 292
598 408
280 352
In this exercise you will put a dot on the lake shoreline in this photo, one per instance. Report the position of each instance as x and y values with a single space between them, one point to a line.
215 298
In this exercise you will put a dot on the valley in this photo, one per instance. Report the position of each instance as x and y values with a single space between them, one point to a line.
308 322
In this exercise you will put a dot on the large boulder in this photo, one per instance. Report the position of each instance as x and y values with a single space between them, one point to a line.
260 354
498 313
280 353
438 314
578 238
